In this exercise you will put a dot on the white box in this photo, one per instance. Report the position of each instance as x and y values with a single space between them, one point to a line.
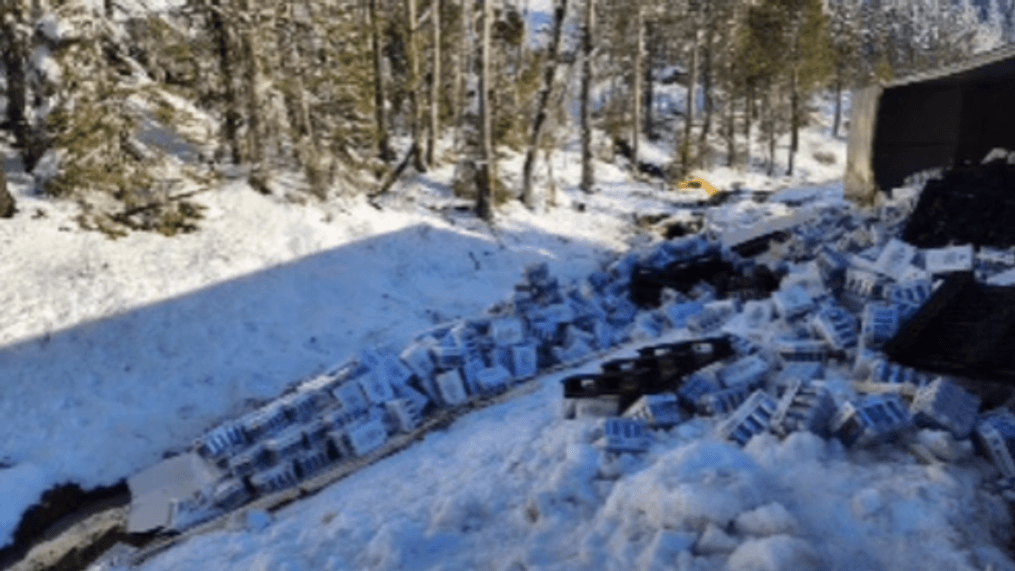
792 302
375 387
507 331
493 379
367 436
626 435
524 363
895 258
950 259
451 387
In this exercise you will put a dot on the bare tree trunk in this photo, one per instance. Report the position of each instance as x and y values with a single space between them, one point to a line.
838 101
435 83
220 34
484 196
768 114
794 120
460 64
794 102
412 54
552 200
731 128
7 204
706 78
549 71
251 75
748 117
639 56
648 128
17 100
692 88
586 105
380 115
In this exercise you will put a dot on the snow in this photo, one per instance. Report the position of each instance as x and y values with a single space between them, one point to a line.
114 352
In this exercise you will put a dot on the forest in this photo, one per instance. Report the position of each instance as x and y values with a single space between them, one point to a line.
131 112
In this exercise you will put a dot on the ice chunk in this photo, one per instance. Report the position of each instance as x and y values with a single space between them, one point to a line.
775 553
714 541
769 519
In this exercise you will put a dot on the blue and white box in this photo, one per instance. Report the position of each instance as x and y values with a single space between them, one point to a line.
995 438
944 405
417 356
626 435
837 326
803 406
874 419
949 259
752 417
658 411
748 371
880 323
451 388
366 436
678 313
494 380
792 302
895 258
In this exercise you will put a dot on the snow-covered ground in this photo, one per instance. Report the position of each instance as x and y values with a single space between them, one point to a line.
115 352
514 487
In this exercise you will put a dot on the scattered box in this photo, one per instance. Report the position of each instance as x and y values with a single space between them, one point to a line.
950 259
748 371
493 380
995 438
451 388
626 435
752 417
403 414
874 419
658 411
792 302
350 399
803 406
945 405
366 436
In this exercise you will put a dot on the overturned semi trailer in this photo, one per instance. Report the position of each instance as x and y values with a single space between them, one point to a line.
946 117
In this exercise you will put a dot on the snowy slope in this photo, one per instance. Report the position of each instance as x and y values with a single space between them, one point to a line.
113 352
116 352
515 487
